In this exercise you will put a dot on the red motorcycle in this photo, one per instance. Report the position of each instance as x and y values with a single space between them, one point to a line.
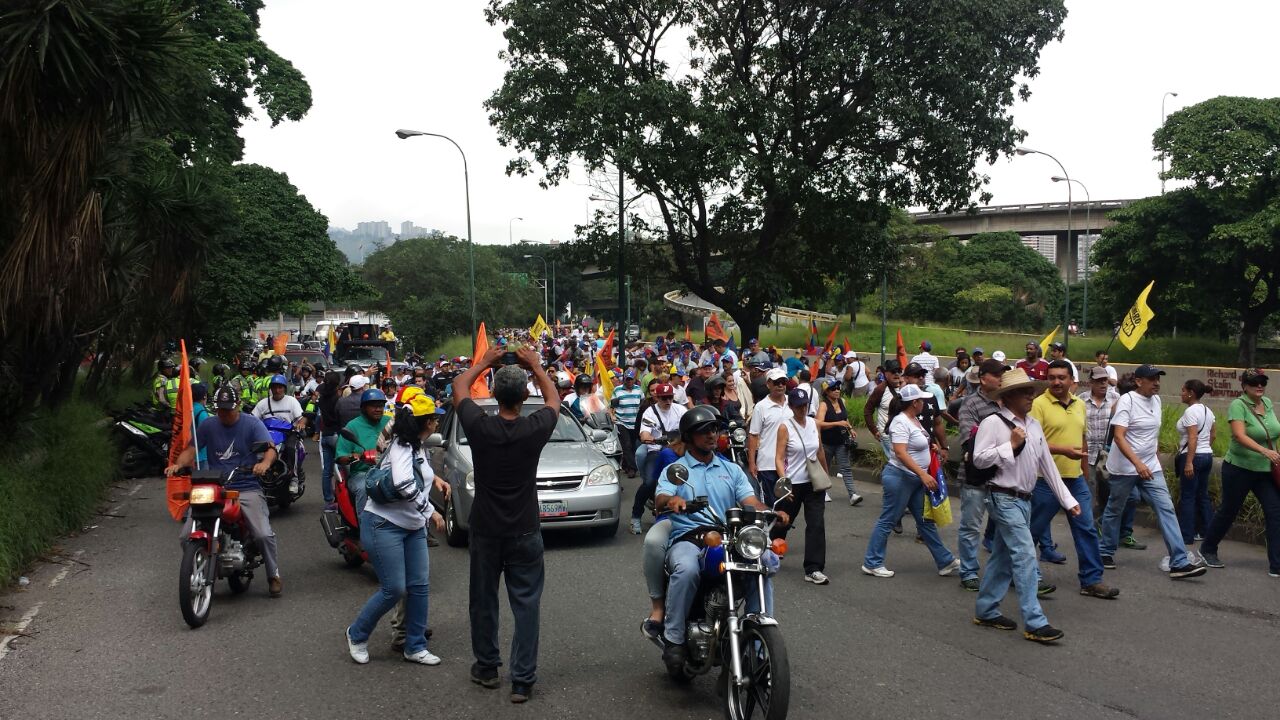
342 526
219 543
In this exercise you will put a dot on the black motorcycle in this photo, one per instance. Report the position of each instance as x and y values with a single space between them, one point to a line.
755 677
144 433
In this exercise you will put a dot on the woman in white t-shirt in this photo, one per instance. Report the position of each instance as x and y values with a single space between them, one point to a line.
905 479
1194 462
798 443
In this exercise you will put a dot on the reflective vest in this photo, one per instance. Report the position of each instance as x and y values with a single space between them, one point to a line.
171 386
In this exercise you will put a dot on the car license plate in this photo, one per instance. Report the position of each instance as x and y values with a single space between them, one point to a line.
551 508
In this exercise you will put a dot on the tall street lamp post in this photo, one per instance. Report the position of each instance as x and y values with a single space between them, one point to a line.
1162 116
471 248
510 240
1088 250
545 283
1066 303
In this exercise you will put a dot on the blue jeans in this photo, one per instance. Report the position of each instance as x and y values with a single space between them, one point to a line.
518 560
1195 510
973 511
328 446
1156 494
400 558
683 567
1013 558
903 490
767 479
645 461
1044 506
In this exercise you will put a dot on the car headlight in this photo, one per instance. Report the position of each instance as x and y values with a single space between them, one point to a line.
471 481
203 494
609 446
751 542
603 475
739 436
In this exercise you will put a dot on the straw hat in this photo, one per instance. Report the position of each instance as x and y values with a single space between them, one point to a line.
1016 379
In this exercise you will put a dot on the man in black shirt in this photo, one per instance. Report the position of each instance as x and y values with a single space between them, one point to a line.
505 537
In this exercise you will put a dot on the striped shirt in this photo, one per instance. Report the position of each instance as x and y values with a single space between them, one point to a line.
627 405
1097 420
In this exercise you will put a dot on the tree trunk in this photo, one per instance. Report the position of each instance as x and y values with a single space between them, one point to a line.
748 316
1248 347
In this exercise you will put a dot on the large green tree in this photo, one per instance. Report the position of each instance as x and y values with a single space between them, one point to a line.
769 135
1213 248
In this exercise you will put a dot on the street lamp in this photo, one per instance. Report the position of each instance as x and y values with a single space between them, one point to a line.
546 309
1066 303
471 248
1088 233
1162 116
509 222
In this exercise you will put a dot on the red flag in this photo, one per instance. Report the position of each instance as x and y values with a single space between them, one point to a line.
180 438
714 330
388 370
480 388
606 351
847 346
816 369
902 351
831 339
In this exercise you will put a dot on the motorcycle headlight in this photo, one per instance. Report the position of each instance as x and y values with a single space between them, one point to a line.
739 436
603 475
203 494
471 482
751 542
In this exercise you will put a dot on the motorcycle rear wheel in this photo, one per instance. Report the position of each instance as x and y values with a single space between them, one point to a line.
195 583
764 662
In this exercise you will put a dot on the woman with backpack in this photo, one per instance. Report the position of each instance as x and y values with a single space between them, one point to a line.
838 436
393 531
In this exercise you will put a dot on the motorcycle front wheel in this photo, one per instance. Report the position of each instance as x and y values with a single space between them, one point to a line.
195 583
767 691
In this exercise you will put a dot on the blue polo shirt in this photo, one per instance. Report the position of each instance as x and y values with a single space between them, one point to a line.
794 366
724 484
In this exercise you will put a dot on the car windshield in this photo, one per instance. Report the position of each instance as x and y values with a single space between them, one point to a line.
367 353
567 429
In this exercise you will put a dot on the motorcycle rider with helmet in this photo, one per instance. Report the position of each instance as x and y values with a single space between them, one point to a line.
229 442
164 388
724 484
221 376
367 426
280 404
732 411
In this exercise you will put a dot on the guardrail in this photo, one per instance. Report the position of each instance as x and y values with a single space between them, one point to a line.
691 304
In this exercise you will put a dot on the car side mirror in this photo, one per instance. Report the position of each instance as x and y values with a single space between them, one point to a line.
599 435
677 474
434 440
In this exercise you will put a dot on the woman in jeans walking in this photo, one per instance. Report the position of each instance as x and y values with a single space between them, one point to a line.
1196 433
905 479
838 436
1247 469
394 534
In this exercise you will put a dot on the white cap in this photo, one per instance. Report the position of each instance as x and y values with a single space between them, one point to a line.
775 374
998 356
358 381
850 355
910 392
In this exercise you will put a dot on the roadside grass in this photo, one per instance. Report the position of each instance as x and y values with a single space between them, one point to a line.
52 476
451 348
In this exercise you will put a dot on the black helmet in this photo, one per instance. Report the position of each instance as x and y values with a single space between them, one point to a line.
583 380
261 367
275 363
166 364
246 365
196 363
320 367
700 419
221 370
714 382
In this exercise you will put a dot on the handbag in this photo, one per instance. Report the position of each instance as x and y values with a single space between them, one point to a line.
819 480
1275 469
380 487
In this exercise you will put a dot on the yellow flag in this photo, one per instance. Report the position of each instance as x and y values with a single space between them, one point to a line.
1044 344
600 330
1137 320
539 327
606 378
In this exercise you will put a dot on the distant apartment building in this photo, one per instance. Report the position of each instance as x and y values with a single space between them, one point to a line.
1046 245
409 230
374 229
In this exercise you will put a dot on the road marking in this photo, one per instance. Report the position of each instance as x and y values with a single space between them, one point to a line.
66 570
21 627
135 489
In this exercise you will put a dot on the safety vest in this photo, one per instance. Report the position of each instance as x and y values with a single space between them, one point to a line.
171 386
261 387
157 385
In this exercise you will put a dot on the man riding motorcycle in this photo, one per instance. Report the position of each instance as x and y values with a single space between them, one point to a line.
724 485
279 404
716 398
229 442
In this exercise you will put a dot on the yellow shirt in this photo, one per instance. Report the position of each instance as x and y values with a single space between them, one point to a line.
1062 426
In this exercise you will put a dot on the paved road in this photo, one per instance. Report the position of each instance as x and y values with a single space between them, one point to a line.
103 637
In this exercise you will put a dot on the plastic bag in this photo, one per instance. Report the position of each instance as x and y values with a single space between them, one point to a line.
939 514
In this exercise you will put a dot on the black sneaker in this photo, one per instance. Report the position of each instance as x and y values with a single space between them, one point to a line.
1043 634
521 692
1182 572
1211 559
673 655
897 528
971 584
652 629
486 677
1045 588
998 622
1108 562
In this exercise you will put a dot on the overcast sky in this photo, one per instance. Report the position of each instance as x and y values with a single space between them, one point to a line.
380 65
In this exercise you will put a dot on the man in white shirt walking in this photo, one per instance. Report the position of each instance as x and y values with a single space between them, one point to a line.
762 432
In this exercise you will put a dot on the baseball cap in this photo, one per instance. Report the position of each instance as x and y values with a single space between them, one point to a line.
976 351
1033 344
753 341
358 382
892 365
775 374
915 369
225 398
797 398
910 392
663 390
630 374
1057 346
1097 372
998 355
992 366
1147 371
680 372
926 346
850 355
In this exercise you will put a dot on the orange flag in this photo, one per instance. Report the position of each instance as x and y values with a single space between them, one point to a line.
688 337
480 388
831 339
280 341
816 368
182 436
714 330
606 351
902 351
388 369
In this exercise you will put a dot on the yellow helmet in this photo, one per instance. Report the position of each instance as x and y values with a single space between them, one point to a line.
418 401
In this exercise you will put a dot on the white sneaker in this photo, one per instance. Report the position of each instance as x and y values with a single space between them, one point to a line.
422 657
359 651
881 572
854 499
816 577
951 567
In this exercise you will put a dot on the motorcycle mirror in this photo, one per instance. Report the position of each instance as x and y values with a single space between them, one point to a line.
599 436
677 474
259 447
782 489
349 435
434 440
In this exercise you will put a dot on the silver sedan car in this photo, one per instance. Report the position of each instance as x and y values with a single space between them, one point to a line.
577 484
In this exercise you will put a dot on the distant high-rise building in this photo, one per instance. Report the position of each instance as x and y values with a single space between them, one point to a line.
409 230
1046 245
1085 248
375 229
